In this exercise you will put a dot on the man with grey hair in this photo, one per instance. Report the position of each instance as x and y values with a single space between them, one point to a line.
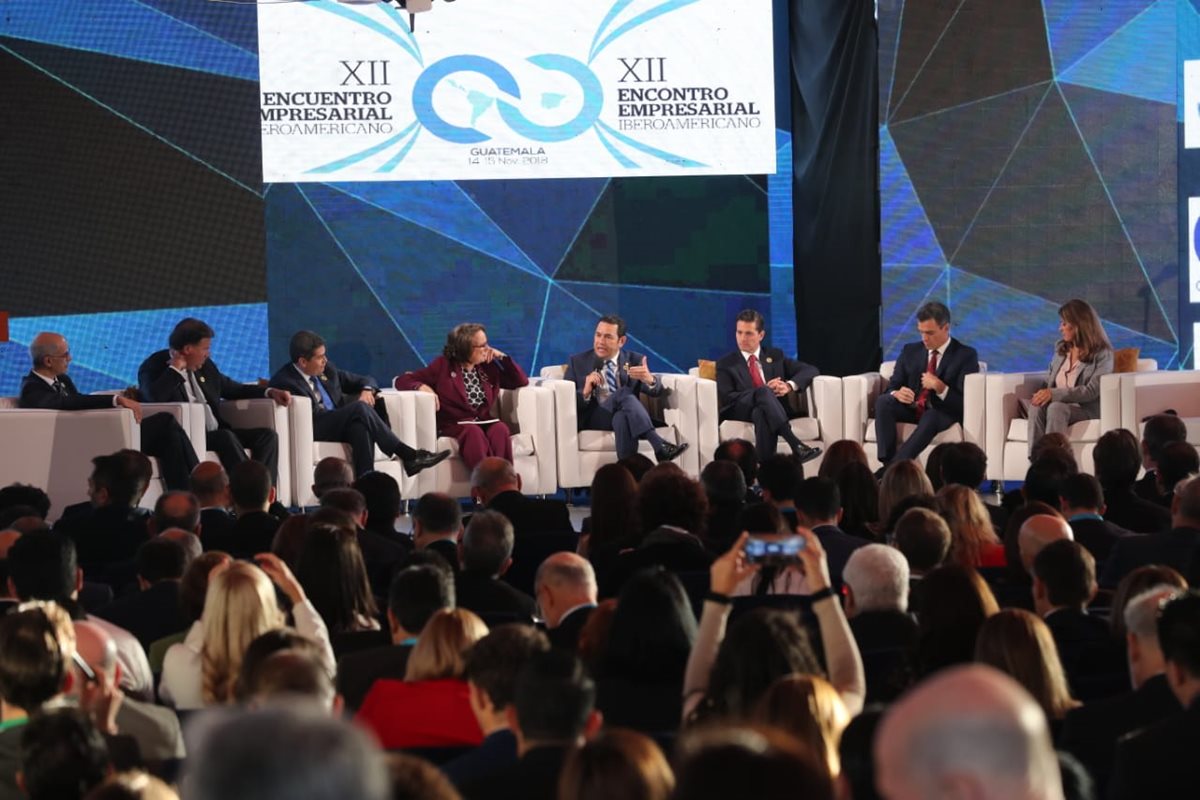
484 556
968 731
566 595
876 586
496 485
1090 732
1170 548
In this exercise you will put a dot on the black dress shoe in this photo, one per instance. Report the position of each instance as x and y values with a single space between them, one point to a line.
804 453
422 459
670 452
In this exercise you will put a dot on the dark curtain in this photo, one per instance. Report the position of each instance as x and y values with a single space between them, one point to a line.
835 182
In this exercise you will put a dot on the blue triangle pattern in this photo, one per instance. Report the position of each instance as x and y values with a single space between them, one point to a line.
236 24
1077 26
904 288
1138 60
907 238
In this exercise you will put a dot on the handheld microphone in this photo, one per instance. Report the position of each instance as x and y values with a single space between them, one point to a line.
598 365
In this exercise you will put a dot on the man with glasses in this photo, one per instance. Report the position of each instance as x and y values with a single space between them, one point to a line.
608 380
48 386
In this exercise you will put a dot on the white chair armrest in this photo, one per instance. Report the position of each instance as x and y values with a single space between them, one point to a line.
679 409
975 409
566 431
826 403
1003 393
858 401
1110 404
413 418
530 411
708 419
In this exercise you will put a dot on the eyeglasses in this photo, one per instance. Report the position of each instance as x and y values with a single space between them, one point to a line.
61 355
483 346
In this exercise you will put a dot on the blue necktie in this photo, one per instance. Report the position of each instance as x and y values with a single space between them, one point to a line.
610 376
323 398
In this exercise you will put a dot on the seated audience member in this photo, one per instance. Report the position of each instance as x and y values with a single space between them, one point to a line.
638 465
923 538
210 484
639 675
288 675
153 612
778 477
415 778
285 753
1045 476
1117 461
811 710
42 566
617 763
382 494
951 607
193 588
1020 645
839 455
263 647
491 669
190 542
437 526
860 501
876 596
1157 761
965 464
254 529
431 707
901 480
973 540
933 465
485 555
1133 584
23 494
552 713
240 605
1172 548
725 488
1064 583
496 485
1091 732
762 763
132 784
114 527
1082 503
381 553
726 675
63 756
566 595
334 578
154 728
854 753
1178 461
1037 532
1159 431
416 594
613 524
331 473
178 509
972 728
740 452
819 507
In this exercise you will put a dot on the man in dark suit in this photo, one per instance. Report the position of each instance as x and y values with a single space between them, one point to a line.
486 554
819 507
344 407
496 484
48 386
1159 431
755 383
1172 548
876 591
1117 461
253 530
1160 760
185 373
926 386
210 485
154 611
608 380
1082 502
416 594
565 585
113 528
437 526
381 554
1091 732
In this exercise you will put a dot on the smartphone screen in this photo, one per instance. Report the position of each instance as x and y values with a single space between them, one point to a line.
773 549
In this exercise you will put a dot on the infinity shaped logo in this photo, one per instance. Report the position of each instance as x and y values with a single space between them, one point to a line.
593 98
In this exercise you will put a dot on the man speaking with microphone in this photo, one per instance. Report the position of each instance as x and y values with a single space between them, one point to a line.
608 379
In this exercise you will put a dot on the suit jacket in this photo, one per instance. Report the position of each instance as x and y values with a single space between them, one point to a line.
1147 489
1094 662
838 546
533 777
1086 391
532 515
1098 536
105 535
483 594
382 556
1131 512
343 387
583 364
887 641
1159 760
153 727
1091 732
673 549
36 393
252 533
566 635
953 367
161 384
1173 548
150 614
357 672
445 377
215 522
733 375
496 752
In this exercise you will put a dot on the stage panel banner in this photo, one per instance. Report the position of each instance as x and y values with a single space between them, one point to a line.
520 89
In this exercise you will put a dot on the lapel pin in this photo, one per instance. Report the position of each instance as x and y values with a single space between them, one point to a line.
202 379
324 379
453 374
770 360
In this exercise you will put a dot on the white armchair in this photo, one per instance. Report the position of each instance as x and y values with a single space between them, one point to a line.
581 453
860 392
820 428
1008 432
1144 394
529 414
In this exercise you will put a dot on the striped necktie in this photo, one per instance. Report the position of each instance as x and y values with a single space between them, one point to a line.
610 376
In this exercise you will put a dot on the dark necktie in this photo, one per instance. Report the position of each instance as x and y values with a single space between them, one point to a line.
59 388
319 391
923 397
756 376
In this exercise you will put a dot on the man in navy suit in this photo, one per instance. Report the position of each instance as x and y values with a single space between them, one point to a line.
754 383
608 380
344 407
926 386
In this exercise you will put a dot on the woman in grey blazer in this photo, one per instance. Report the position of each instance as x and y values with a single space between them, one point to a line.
1072 391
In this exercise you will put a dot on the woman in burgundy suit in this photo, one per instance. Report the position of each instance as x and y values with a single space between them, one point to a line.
466 379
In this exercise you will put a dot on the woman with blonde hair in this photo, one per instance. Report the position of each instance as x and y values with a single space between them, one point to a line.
902 480
1082 356
1018 643
239 606
810 709
431 707
973 540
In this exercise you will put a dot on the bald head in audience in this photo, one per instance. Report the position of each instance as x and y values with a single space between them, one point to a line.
493 476
331 473
210 484
564 581
967 732
1037 532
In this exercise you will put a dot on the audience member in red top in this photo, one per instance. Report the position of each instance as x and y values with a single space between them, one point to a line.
431 707
973 540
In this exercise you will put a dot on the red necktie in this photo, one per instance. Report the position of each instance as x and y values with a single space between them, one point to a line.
923 397
756 377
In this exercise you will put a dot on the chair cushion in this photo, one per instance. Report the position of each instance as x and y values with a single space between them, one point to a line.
905 429
606 441
1087 430
707 369
806 428
522 445
1126 359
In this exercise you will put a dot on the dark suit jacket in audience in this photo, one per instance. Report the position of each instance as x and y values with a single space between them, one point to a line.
357 672
1098 536
533 777
1091 732
381 556
1147 489
149 615
215 522
530 514
671 548
483 594
1131 512
838 545
105 535
566 635
887 641
1172 548
1093 661
652 708
251 534
497 752
1159 762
